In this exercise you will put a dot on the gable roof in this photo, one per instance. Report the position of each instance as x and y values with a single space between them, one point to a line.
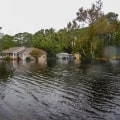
13 50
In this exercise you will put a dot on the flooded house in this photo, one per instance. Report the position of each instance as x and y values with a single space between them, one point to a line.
13 53
22 53
27 54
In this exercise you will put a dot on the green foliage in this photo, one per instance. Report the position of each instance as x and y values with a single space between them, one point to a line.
100 32
90 16
7 58
111 17
46 40
7 42
116 39
23 39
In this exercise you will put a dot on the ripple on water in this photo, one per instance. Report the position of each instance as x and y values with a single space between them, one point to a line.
61 92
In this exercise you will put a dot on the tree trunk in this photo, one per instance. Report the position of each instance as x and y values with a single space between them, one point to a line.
92 52
83 51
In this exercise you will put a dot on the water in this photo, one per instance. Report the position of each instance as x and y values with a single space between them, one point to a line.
59 90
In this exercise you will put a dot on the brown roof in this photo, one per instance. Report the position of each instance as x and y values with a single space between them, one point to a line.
28 50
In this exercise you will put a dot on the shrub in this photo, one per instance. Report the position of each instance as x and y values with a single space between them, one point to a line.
7 58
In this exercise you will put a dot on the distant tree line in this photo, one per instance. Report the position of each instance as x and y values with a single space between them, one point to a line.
88 34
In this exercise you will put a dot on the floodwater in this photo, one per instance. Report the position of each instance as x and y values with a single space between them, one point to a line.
59 90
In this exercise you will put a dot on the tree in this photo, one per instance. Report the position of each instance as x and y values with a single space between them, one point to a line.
72 26
89 17
7 42
111 17
23 39
65 40
35 53
113 26
116 39
47 40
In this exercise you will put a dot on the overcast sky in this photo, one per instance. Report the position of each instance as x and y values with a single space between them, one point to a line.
32 15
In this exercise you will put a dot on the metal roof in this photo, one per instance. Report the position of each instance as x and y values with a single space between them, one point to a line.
13 50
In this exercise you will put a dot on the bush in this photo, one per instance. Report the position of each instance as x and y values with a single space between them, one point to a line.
7 58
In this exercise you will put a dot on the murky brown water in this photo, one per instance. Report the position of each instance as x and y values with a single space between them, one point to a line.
59 91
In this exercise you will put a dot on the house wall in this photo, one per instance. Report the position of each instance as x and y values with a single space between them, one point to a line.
20 53
43 57
24 56
77 56
12 56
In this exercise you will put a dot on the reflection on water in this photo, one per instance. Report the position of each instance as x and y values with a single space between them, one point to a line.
59 90
5 71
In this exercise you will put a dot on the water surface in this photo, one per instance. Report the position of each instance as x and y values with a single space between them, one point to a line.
59 90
